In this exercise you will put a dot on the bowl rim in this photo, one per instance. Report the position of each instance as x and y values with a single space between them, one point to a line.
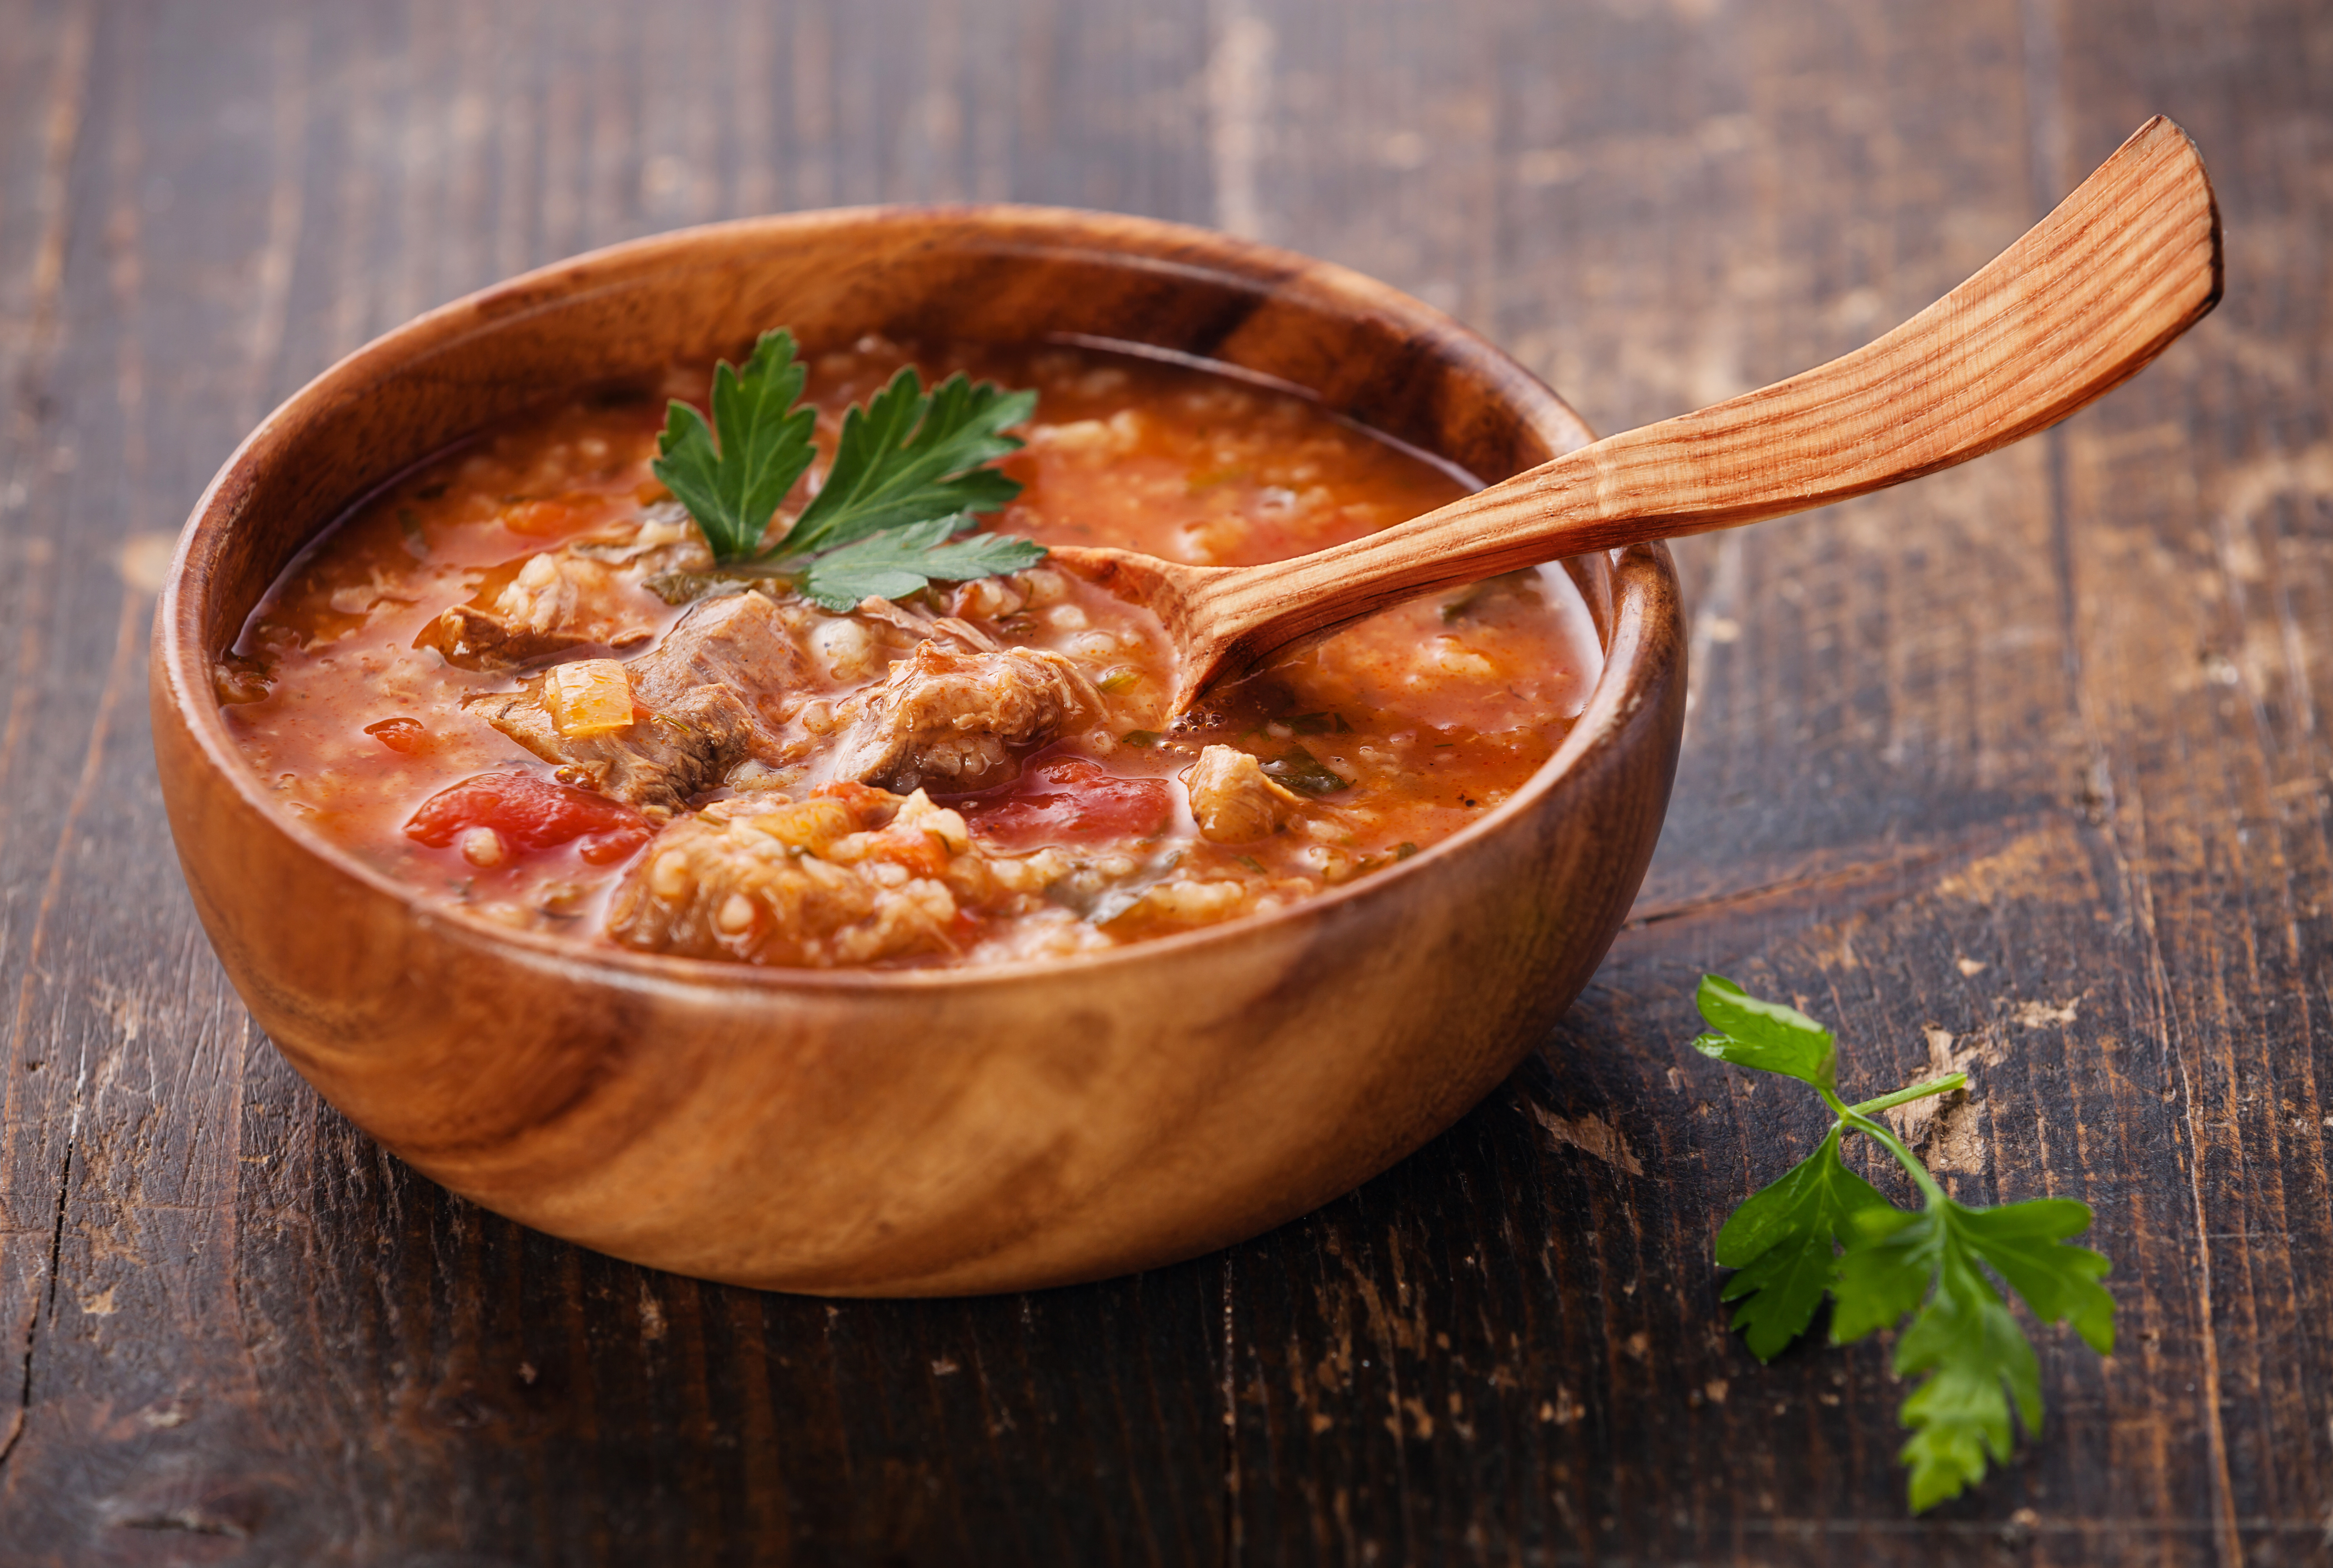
178 640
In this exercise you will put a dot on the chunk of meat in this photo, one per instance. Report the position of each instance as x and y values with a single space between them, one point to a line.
958 719
585 593
555 601
528 813
710 695
1064 800
857 647
746 641
851 877
915 628
1233 800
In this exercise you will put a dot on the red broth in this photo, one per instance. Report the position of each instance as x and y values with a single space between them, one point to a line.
411 688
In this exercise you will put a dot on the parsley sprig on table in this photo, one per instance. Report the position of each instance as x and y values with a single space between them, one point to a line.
896 512
1973 1359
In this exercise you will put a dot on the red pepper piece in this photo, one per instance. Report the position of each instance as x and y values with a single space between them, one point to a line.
530 813
1070 797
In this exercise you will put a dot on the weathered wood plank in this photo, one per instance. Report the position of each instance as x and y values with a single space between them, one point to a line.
2020 769
44 51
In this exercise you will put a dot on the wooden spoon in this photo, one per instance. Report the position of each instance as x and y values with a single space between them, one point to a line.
2088 296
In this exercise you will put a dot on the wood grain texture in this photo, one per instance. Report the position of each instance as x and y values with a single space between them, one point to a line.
2058 714
2082 302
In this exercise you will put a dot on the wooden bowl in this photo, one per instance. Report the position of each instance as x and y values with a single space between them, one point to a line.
912 1132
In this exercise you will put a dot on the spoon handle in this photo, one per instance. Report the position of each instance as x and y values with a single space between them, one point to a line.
2088 296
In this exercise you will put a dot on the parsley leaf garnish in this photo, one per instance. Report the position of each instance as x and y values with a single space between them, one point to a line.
893 564
909 471
910 457
1781 1238
1974 1359
1766 1036
735 491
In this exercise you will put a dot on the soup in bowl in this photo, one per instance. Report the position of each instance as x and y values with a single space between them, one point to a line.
894 944
518 680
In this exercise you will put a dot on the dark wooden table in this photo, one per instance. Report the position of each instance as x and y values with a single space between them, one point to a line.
2023 769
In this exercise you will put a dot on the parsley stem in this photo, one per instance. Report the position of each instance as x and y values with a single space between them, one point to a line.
1945 1085
1851 1116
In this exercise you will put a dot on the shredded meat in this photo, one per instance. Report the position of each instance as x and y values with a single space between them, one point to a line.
915 627
851 877
957 720
557 600
1232 801
583 594
714 693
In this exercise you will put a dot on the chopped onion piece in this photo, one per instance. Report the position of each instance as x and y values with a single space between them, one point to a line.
590 697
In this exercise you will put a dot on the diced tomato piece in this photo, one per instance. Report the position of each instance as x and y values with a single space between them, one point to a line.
870 807
615 843
405 737
530 813
1070 797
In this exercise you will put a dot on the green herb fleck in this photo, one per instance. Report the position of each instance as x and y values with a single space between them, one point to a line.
1972 1358
1317 723
1140 737
1302 772
681 587
1198 482
1460 605
1126 896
